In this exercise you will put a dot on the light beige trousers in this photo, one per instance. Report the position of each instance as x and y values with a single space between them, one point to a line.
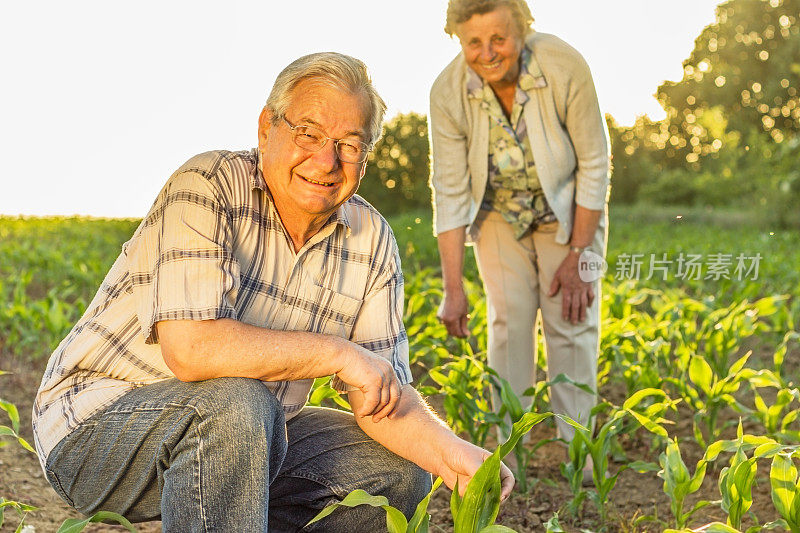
517 276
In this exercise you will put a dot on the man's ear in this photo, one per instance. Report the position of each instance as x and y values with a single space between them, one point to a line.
264 125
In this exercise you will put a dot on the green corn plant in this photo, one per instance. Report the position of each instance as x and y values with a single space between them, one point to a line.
13 431
709 393
553 525
465 386
322 394
512 409
736 486
76 525
650 417
477 510
22 510
719 527
572 470
640 407
396 521
736 480
791 337
778 417
785 485
678 483
723 329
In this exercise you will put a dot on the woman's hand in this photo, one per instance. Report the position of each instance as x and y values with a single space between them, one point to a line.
453 312
576 294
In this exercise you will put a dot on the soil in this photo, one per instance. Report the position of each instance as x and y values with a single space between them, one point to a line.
635 496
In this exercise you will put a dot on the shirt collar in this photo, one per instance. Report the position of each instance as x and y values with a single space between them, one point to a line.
257 181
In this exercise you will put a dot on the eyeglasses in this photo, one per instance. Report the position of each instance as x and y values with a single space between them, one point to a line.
313 139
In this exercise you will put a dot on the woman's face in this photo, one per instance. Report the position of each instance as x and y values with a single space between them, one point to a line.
492 43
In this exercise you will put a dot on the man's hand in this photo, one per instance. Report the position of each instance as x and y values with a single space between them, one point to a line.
576 294
461 463
453 312
374 376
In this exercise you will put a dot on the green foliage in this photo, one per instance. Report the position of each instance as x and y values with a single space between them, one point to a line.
13 431
746 64
76 525
395 520
786 490
678 483
477 510
397 174
323 395
730 136
646 408
682 337
50 270
465 385
22 510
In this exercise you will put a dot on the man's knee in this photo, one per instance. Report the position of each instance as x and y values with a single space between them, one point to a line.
412 485
243 408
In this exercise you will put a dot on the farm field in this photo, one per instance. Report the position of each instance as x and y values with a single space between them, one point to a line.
700 320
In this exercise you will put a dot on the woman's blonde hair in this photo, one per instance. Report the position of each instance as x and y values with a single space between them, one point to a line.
459 11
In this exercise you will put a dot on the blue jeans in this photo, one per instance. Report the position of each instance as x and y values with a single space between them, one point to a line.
217 455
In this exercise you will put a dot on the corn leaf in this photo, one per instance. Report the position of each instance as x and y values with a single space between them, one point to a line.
354 499
783 479
75 525
419 522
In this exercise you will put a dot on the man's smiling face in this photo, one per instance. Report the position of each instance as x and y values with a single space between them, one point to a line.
307 186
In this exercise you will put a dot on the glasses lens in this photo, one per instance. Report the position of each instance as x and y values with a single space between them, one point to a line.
309 137
352 151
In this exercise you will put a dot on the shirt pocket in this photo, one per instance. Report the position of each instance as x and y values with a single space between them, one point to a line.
333 313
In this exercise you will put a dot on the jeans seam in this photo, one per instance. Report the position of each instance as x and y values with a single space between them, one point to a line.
338 489
198 458
198 455
52 477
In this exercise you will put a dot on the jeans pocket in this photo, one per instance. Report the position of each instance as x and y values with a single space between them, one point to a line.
56 484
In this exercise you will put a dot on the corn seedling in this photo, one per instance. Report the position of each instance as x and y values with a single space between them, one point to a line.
465 386
736 480
13 431
678 483
785 485
599 447
477 510
512 409
708 393
323 394
396 521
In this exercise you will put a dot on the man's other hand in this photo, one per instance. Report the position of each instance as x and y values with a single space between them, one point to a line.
375 378
461 463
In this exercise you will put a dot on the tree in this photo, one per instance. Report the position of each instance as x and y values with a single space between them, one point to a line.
398 170
742 76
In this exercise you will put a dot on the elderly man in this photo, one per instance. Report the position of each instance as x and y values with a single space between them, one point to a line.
180 393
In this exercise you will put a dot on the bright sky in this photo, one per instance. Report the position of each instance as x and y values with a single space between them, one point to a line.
100 101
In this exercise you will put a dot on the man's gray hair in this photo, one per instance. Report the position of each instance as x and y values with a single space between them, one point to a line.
339 70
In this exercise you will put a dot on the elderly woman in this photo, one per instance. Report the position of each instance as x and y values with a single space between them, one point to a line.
521 170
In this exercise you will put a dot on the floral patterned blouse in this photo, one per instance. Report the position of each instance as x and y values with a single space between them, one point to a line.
513 187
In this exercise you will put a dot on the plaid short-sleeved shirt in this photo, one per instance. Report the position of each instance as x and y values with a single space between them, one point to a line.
213 246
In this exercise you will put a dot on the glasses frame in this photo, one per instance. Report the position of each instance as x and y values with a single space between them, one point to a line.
293 128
